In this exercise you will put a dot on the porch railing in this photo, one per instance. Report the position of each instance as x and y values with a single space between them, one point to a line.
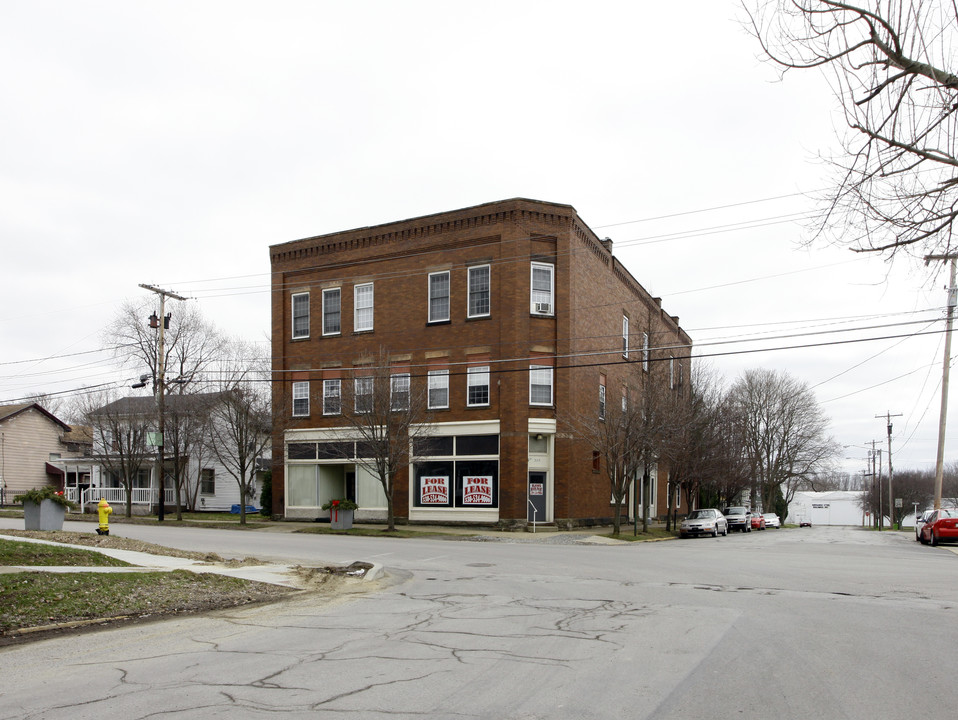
138 496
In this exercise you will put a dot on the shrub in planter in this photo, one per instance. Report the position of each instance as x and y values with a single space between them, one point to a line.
44 508
340 513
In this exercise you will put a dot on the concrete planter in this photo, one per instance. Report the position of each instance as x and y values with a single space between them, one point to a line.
340 519
48 515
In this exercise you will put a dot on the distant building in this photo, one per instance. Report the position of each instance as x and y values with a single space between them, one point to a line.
838 507
513 316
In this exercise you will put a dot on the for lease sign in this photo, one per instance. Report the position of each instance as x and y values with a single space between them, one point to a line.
477 490
434 490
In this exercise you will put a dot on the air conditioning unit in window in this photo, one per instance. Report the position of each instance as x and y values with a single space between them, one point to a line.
543 308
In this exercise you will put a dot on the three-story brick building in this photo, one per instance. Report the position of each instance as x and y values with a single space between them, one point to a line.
512 317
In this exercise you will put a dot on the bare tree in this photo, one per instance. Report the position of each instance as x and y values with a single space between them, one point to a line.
891 66
386 412
240 418
186 421
119 437
784 432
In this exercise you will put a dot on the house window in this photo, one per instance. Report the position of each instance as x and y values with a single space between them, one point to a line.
207 481
301 399
479 291
540 385
477 386
363 390
363 309
300 315
596 461
671 373
542 289
332 315
399 391
439 296
645 352
625 399
331 397
625 337
602 401
438 389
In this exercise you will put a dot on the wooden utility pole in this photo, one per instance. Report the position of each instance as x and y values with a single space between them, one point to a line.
940 461
891 494
160 391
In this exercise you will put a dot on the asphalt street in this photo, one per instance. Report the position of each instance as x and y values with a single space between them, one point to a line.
821 622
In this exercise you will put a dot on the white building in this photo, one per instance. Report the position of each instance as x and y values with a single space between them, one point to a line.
837 507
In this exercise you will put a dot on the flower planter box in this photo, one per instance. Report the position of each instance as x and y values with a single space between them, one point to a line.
340 519
48 515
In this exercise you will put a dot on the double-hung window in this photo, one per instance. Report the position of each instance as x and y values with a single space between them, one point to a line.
625 336
438 389
479 303
207 481
645 352
363 392
399 391
332 404
477 386
543 284
363 308
332 315
301 398
540 385
300 315
439 296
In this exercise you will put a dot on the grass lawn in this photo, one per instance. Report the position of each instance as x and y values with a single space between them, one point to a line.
14 552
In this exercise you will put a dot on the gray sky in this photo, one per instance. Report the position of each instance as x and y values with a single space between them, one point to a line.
171 143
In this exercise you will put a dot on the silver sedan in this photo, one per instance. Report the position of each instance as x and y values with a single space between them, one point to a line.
706 521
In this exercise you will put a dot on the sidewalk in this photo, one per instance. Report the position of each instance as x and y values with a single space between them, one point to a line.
274 574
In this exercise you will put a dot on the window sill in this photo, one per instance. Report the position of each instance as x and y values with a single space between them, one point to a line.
299 339
363 332
430 323
542 315
479 317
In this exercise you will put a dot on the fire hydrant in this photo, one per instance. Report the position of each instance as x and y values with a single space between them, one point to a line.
103 510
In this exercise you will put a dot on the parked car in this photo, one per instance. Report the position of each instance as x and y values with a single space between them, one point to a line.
941 526
921 520
772 521
739 518
706 521
758 521
804 521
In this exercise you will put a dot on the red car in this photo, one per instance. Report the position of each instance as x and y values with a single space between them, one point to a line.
758 522
940 527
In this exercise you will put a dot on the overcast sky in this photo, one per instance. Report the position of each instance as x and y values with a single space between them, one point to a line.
172 143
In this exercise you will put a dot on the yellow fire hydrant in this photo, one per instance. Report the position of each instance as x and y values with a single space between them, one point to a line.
103 510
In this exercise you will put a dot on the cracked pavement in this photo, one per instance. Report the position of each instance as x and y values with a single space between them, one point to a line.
783 624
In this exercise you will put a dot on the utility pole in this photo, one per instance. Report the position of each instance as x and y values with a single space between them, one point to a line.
891 494
940 461
876 482
161 324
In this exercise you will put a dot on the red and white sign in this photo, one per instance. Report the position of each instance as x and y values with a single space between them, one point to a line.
434 490
536 489
477 490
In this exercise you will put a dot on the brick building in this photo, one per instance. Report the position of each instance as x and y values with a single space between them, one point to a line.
512 318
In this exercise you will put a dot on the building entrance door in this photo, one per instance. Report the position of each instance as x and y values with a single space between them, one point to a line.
537 497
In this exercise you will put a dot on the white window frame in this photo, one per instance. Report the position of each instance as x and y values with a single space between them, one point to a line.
645 351
542 374
438 380
538 297
396 383
363 387
326 330
300 393
303 332
488 292
431 297
474 377
671 372
601 401
362 323
328 395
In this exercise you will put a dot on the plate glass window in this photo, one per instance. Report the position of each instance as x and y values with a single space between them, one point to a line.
542 289
300 315
363 311
332 317
540 385
439 296
477 386
479 291
331 397
438 389
301 399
